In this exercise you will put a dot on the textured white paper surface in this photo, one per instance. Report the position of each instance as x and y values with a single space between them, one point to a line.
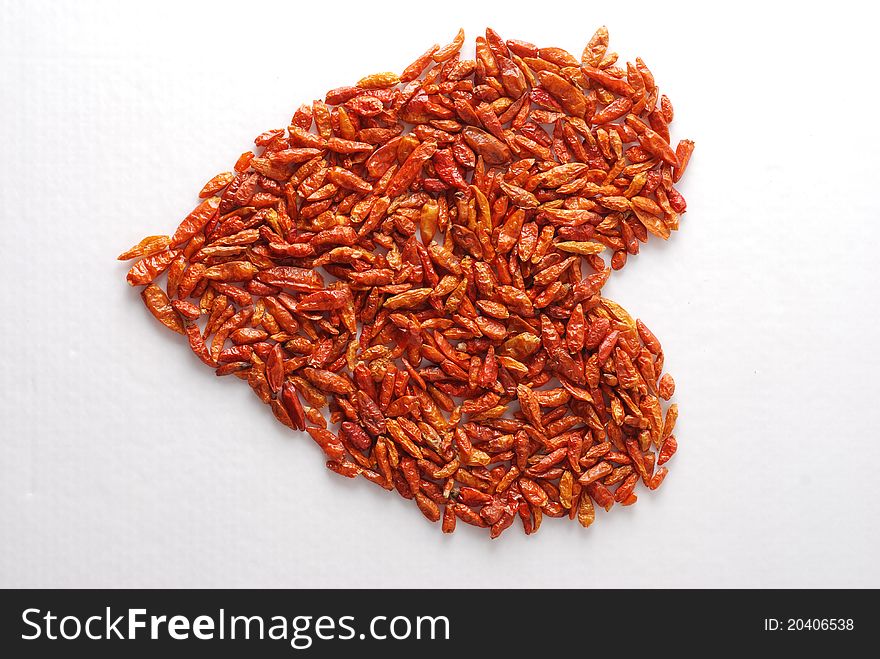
125 462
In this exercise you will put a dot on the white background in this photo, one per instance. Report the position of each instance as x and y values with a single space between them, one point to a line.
125 462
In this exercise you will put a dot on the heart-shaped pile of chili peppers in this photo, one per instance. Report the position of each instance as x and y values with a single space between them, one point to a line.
459 212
